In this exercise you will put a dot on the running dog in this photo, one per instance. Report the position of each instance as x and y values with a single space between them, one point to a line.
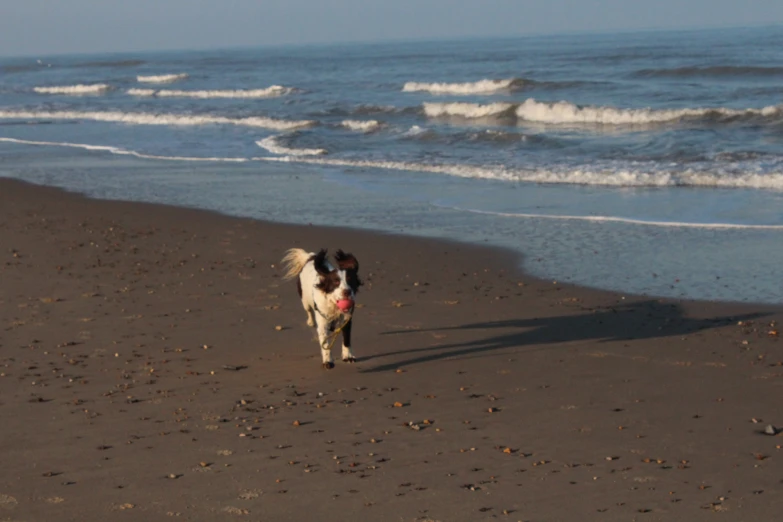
328 296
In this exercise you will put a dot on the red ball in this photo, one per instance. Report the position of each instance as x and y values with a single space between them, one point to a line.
345 304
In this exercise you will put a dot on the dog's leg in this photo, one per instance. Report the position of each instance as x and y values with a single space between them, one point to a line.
307 306
347 354
322 325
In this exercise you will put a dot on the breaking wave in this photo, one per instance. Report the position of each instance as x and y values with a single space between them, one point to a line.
272 144
617 177
468 110
140 118
77 90
162 78
415 131
365 126
141 92
564 112
270 92
480 87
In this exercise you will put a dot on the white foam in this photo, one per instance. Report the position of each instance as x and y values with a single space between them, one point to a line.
597 177
76 90
466 110
415 130
271 144
122 152
162 78
630 221
269 92
465 171
141 92
479 87
365 126
566 112
573 176
140 118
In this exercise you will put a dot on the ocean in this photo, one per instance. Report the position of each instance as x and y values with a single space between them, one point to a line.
646 162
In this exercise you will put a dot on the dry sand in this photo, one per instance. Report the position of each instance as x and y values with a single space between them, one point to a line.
143 377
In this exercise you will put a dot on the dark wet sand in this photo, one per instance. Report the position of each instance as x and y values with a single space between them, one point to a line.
143 377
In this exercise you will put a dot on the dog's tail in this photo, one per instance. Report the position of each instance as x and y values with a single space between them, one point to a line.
294 261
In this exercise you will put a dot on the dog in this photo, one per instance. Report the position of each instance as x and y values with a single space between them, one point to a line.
328 296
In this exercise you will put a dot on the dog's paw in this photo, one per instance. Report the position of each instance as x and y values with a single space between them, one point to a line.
310 323
350 359
328 365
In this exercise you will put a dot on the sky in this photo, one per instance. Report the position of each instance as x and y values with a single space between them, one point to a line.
47 27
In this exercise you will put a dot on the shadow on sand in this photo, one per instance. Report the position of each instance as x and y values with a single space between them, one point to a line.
640 320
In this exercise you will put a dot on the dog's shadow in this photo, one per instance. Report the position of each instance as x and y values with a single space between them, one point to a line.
639 320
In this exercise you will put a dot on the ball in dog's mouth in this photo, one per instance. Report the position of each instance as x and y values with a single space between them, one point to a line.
345 305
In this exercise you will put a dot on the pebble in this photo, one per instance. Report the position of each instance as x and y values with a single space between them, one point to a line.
771 430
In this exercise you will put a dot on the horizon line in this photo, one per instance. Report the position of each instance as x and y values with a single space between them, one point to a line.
387 41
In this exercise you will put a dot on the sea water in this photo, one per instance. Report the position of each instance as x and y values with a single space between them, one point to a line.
647 162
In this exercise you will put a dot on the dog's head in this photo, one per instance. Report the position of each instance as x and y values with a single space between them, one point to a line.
340 284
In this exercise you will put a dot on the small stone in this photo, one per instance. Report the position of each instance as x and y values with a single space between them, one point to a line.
771 430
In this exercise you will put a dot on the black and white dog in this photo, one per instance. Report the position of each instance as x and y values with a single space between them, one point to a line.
328 295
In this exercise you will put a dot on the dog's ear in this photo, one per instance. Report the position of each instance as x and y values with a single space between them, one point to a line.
346 261
319 263
350 264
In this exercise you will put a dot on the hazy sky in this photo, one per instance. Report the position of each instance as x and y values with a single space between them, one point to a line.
41 27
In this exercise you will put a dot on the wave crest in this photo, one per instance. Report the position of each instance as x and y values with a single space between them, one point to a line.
485 86
141 118
162 78
586 176
269 92
467 110
564 112
273 145
572 176
80 89
365 126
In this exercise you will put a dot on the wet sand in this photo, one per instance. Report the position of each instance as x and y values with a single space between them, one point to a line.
153 366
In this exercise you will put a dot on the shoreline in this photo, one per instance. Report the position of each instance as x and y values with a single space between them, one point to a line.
153 365
512 260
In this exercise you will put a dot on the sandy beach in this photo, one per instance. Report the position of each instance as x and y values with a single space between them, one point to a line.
154 366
